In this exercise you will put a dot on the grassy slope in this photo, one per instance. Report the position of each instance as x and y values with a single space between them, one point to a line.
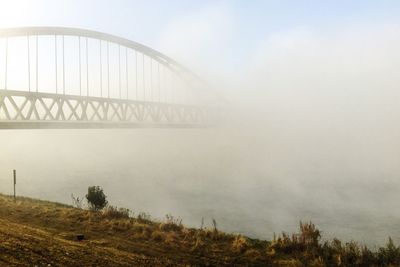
42 233
34 232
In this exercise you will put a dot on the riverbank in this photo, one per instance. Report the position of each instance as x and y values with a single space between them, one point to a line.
41 233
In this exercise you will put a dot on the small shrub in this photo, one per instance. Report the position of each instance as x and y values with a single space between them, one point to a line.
199 244
172 239
305 243
143 217
171 224
112 212
253 254
157 236
289 263
142 231
172 220
77 202
240 244
390 254
121 226
96 198
318 262
214 222
309 234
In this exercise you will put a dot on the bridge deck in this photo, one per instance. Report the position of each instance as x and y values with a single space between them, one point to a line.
30 110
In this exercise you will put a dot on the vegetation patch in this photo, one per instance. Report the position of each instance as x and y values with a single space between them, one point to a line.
35 232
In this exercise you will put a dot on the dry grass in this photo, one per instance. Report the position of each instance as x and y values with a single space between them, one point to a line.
35 232
111 212
112 238
240 244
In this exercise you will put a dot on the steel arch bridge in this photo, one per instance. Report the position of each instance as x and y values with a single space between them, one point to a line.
54 77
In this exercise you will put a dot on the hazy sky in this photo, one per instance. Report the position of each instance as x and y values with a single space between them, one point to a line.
226 30
307 46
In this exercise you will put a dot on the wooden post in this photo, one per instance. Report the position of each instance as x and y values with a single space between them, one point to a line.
15 181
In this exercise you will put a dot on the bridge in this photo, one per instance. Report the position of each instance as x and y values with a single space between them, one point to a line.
54 77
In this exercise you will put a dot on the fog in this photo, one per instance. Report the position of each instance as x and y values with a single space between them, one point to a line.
310 132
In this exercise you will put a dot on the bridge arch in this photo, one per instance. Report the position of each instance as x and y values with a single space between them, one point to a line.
168 93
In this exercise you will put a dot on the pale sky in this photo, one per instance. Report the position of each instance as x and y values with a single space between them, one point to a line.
225 30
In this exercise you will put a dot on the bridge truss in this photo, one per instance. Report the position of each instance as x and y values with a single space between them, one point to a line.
73 78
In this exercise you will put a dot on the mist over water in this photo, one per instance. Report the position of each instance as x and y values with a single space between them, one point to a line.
255 181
